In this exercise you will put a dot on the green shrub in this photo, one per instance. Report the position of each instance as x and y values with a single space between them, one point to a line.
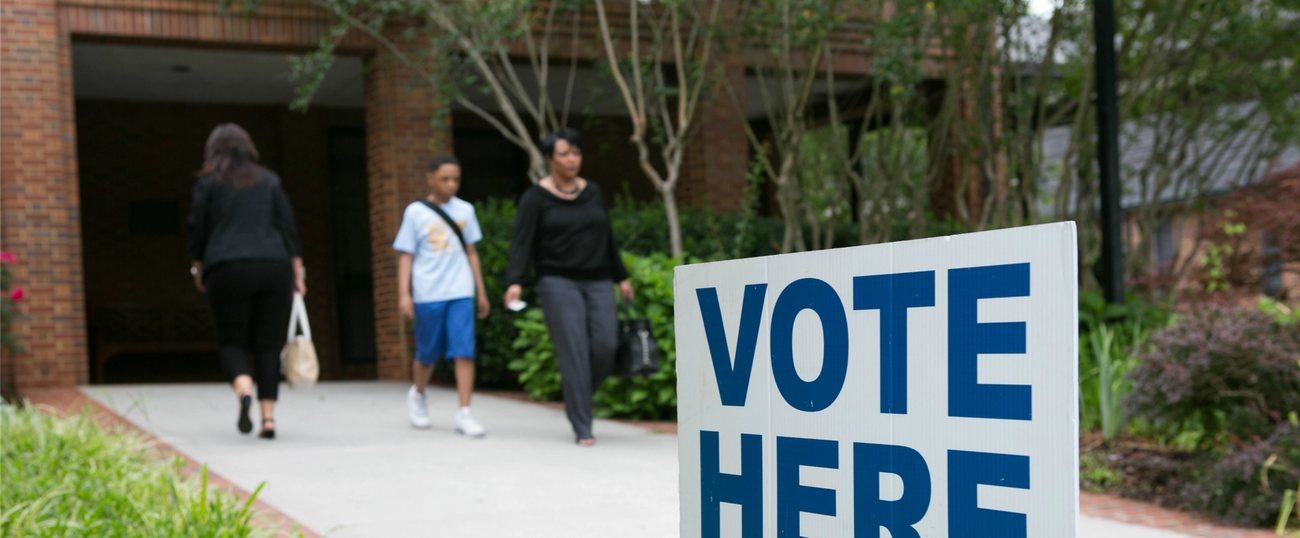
1097 474
68 477
8 295
1109 337
654 397
496 333
642 229
539 375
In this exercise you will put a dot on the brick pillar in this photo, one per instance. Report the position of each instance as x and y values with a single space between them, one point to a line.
399 142
41 221
717 158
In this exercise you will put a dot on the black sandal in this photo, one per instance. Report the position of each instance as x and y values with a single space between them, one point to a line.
267 433
245 423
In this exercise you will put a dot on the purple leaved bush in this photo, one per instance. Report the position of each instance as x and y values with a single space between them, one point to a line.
1232 370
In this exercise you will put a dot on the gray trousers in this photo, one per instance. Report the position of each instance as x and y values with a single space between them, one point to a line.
583 321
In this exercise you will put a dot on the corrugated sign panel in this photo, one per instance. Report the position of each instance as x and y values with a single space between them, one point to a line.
918 389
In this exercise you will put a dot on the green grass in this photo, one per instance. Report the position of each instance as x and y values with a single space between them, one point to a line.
69 477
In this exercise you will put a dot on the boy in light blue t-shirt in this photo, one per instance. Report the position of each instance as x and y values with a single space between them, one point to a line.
438 281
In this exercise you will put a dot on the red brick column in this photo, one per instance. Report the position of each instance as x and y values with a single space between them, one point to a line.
399 142
41 221
717 158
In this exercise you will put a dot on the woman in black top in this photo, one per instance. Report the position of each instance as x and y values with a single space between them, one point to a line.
246 257
562 230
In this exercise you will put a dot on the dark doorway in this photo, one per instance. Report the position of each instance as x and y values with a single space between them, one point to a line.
141 127
349 198
491 166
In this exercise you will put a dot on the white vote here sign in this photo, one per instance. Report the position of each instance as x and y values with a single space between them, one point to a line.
918 389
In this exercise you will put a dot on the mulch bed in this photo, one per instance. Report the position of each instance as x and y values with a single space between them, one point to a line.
1151 473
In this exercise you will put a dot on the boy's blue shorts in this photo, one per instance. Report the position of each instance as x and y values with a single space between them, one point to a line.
444 329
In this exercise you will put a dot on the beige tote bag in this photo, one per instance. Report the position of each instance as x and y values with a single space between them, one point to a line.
298 360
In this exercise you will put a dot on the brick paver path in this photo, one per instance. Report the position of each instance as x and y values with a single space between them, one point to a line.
1150 515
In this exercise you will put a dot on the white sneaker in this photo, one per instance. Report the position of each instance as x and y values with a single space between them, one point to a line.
467 425
417 408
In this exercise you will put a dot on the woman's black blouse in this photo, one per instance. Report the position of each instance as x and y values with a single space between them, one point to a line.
566 238
229 223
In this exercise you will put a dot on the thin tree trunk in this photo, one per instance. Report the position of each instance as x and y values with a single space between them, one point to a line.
669 195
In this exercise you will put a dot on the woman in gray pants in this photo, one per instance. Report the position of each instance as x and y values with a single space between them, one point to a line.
562 231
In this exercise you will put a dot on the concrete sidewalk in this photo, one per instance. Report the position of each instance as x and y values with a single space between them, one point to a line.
346 463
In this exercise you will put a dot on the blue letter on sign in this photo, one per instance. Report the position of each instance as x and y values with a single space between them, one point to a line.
820 297
966 470
967 339
745 489
733 381
792 498
869 512
893 295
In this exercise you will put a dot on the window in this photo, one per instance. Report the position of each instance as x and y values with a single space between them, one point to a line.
1272 258
1165 246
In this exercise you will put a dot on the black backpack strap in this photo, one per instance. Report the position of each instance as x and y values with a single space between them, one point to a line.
446 218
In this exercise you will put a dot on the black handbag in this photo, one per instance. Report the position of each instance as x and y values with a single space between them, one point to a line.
638 352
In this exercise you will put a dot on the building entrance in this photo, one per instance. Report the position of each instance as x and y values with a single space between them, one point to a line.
143 114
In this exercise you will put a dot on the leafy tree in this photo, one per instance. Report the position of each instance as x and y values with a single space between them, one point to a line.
459 47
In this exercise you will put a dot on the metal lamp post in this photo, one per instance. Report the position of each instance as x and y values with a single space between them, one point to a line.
1112 250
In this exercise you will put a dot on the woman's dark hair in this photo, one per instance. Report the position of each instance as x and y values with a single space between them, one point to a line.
231 156
442 159
566 134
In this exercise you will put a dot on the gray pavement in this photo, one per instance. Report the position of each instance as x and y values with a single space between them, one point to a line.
346 464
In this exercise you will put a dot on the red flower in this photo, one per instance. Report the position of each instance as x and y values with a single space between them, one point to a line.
17 294
8 258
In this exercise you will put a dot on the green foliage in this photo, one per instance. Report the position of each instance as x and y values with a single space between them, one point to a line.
1109 338
539 375
642 229
1097 474
825 187
1111 363
1212 262
7 338
68 477
1281 314
496 333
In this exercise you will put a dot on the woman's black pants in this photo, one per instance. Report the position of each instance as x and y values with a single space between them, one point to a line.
582 319
250 303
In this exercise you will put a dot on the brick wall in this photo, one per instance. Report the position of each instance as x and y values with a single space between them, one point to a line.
133 153
38 152
288 24
718 158
38 159
38 193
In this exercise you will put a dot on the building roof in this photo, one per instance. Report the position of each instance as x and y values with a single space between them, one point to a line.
1219 162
